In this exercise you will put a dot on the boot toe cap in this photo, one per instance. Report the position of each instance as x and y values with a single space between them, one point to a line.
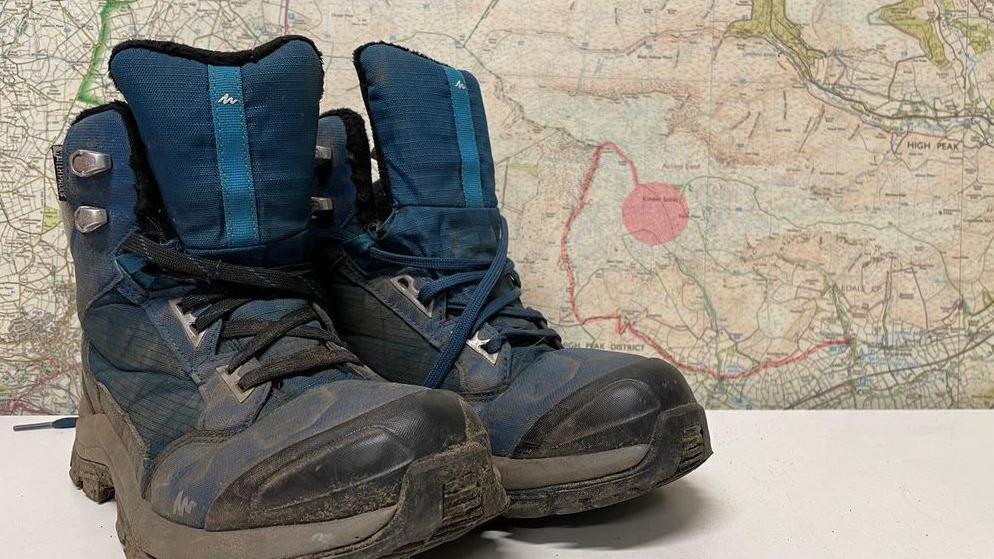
619 409
352 468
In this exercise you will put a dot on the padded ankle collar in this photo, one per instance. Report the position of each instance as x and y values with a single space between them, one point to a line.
230 140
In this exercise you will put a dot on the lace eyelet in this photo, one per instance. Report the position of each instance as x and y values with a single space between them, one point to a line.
187 320
405 285
477 345
232 378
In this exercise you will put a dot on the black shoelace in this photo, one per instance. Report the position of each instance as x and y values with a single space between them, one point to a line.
223 288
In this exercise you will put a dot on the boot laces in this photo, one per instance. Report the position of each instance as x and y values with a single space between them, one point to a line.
485 303
223 288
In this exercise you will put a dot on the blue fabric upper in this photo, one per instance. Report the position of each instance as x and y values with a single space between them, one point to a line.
231 144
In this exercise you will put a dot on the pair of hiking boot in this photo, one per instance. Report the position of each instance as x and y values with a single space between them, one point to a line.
284 358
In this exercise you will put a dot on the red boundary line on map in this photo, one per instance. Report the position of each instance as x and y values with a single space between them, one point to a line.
19 404
620 325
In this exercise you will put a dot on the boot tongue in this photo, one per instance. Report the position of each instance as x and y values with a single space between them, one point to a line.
230 139
433 146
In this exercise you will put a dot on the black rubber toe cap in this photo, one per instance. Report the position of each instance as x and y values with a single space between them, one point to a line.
619 409
353 468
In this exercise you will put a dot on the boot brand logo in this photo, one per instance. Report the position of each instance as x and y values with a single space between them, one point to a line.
227 100
460 85
183 506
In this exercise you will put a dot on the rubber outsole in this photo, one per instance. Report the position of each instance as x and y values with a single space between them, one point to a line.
680 444
442 497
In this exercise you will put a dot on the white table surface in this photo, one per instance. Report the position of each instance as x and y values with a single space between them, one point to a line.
781 484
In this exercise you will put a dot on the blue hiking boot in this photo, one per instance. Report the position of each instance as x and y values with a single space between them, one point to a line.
219 406
422 290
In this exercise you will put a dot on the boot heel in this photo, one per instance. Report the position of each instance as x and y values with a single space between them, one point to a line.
93 478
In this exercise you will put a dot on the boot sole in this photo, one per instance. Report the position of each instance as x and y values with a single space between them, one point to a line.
680 444
442 497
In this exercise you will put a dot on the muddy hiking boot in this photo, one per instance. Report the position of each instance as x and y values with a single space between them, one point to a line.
421 287
220 407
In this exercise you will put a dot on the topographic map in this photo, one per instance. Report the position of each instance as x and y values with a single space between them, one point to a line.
788 199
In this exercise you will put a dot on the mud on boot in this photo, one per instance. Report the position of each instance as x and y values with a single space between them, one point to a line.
220 408
421 287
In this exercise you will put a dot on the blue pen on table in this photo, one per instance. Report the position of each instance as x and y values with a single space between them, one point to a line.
61 423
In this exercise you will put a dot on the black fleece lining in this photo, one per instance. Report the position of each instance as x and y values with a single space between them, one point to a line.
111 106
150 213
372 201
212 57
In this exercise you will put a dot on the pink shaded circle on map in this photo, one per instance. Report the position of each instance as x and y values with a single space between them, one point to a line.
655 213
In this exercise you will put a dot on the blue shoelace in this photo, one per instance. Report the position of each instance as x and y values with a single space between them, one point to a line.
480 308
